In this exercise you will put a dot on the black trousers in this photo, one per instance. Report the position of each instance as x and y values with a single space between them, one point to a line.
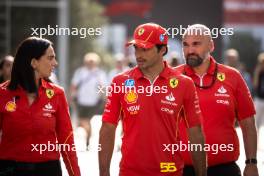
227 169
13 168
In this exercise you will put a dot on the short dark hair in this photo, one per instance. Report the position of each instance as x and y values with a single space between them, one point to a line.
159 48
22 72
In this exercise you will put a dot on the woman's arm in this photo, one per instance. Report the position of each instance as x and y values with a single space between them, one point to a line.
65 138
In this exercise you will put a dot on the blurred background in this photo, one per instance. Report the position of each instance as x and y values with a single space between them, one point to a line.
117 20
111 23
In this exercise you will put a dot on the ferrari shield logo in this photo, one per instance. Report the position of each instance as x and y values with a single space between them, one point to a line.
49 93
174 82
141 31
221 76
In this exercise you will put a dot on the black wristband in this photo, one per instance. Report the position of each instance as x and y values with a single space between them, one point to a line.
251 161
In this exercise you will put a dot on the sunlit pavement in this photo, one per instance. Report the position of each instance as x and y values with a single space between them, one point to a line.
88 160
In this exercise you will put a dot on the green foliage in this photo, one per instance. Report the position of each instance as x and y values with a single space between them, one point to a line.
84 14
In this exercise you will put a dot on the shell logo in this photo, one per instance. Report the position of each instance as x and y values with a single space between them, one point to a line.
131 97
10 106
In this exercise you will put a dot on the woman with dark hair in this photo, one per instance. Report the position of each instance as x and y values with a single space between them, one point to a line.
34 116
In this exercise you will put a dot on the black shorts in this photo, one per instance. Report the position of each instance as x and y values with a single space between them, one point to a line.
227 169
13 168
86 111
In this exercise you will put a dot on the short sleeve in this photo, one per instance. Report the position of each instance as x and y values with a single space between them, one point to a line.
191 107
244 103
76 79
102 78
113 106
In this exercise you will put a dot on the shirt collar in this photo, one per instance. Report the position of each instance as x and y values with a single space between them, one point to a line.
189 71
44 84
165 72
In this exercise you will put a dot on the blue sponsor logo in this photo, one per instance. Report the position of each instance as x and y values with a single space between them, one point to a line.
161 37
130 82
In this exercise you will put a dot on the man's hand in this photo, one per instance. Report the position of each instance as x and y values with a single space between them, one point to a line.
198 157
251 170
250 144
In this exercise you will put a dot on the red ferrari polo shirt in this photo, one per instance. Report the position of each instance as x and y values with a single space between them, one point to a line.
225 99
150 120
39 132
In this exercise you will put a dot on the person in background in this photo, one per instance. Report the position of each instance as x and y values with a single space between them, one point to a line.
259 89
85 85
6 67
174 59
34 116
231 58
53 78
119 66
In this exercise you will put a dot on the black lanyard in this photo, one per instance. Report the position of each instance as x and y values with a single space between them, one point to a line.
212 82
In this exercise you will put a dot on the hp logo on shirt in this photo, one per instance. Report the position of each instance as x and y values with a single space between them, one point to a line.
130 83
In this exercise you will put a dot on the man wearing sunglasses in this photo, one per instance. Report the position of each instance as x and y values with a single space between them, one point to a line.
224 97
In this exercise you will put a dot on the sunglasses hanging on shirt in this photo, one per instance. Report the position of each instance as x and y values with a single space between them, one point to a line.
212 81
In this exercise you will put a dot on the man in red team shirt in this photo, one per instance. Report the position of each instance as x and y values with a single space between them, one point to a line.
224 97
150 117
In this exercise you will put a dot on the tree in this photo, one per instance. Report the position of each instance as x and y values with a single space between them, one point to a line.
84 14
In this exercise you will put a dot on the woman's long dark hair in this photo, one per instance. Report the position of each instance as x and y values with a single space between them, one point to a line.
22 72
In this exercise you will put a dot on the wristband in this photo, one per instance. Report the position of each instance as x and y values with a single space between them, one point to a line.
251 161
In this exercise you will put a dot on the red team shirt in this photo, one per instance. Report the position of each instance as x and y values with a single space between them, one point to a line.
227 99
47 120
149 121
